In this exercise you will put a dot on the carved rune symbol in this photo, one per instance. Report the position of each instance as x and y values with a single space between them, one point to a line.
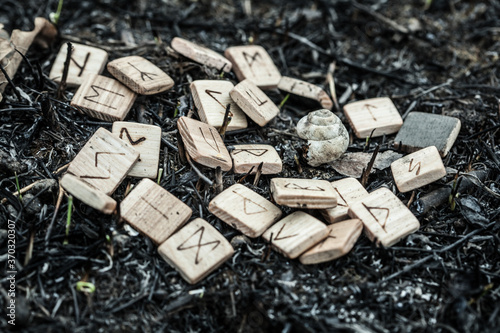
341 197
301 84
143 74
98 94
84 63
251 151
369 108
294 186
251 207
199 245
154 208
320 245
97 154
132 142
210 92
213 139
255 98
250 59
277 238
382 221
410 169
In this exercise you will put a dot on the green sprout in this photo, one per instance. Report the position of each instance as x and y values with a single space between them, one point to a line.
18 187
160 172
68 218
284 101
85 287
54 17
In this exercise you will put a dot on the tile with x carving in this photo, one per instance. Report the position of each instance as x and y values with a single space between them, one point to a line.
348 190
246 157
303 193
196 250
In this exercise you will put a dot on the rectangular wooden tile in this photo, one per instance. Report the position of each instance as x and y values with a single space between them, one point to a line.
154 211
418 169
104 161
140 75
252 62
84 60
303 193
386 219
103 98
295 234
200 54
379 114
422 130
204 144
211 97
246 157
306 90
146 139
244 210
348 190
196 250
87 194
254 102
341 238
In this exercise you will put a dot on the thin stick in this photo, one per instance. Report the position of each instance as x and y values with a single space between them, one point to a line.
258 173
18 95
366 173
226 121
198 172
218 180
331 84
51 225
62 84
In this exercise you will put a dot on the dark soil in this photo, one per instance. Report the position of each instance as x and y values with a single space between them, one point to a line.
444 278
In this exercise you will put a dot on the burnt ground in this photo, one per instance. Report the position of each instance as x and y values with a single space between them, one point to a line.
444 278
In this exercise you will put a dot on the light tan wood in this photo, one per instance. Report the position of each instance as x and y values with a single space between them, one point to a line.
104 161
306 90
418 169
154 211
385 217
146 139
375 113
211 97
200 54
244 210
84 60
88 194
140 75
254 102
254 63
204 144
295 234
341 238
349 190
247 156
103 98
196 250
303 193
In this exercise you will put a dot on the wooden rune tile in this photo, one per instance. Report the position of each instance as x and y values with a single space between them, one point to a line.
104 161
422 130
211 97
418 169
200 54
244 210
379 114
84 60
88 194
303 193
154 211
306 90
146 139
386 219
340 241
247 156
254 63
348 190
140 75
296 233
103 98
196 250
204 144
254 102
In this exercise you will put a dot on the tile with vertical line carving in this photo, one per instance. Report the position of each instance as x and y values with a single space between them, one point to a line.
303 193
246 157
348 190
201 54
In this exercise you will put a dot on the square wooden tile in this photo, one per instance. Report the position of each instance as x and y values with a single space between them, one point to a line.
418 169
375 113
146 139
348 190
103 98
140 75
296 233
254 102
104 161
211 97
247 156
306 90
204 144
303 193
200 54
196 250
245 210
154 211
422 130
386 219
84 60
340 241
254 63
88 194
